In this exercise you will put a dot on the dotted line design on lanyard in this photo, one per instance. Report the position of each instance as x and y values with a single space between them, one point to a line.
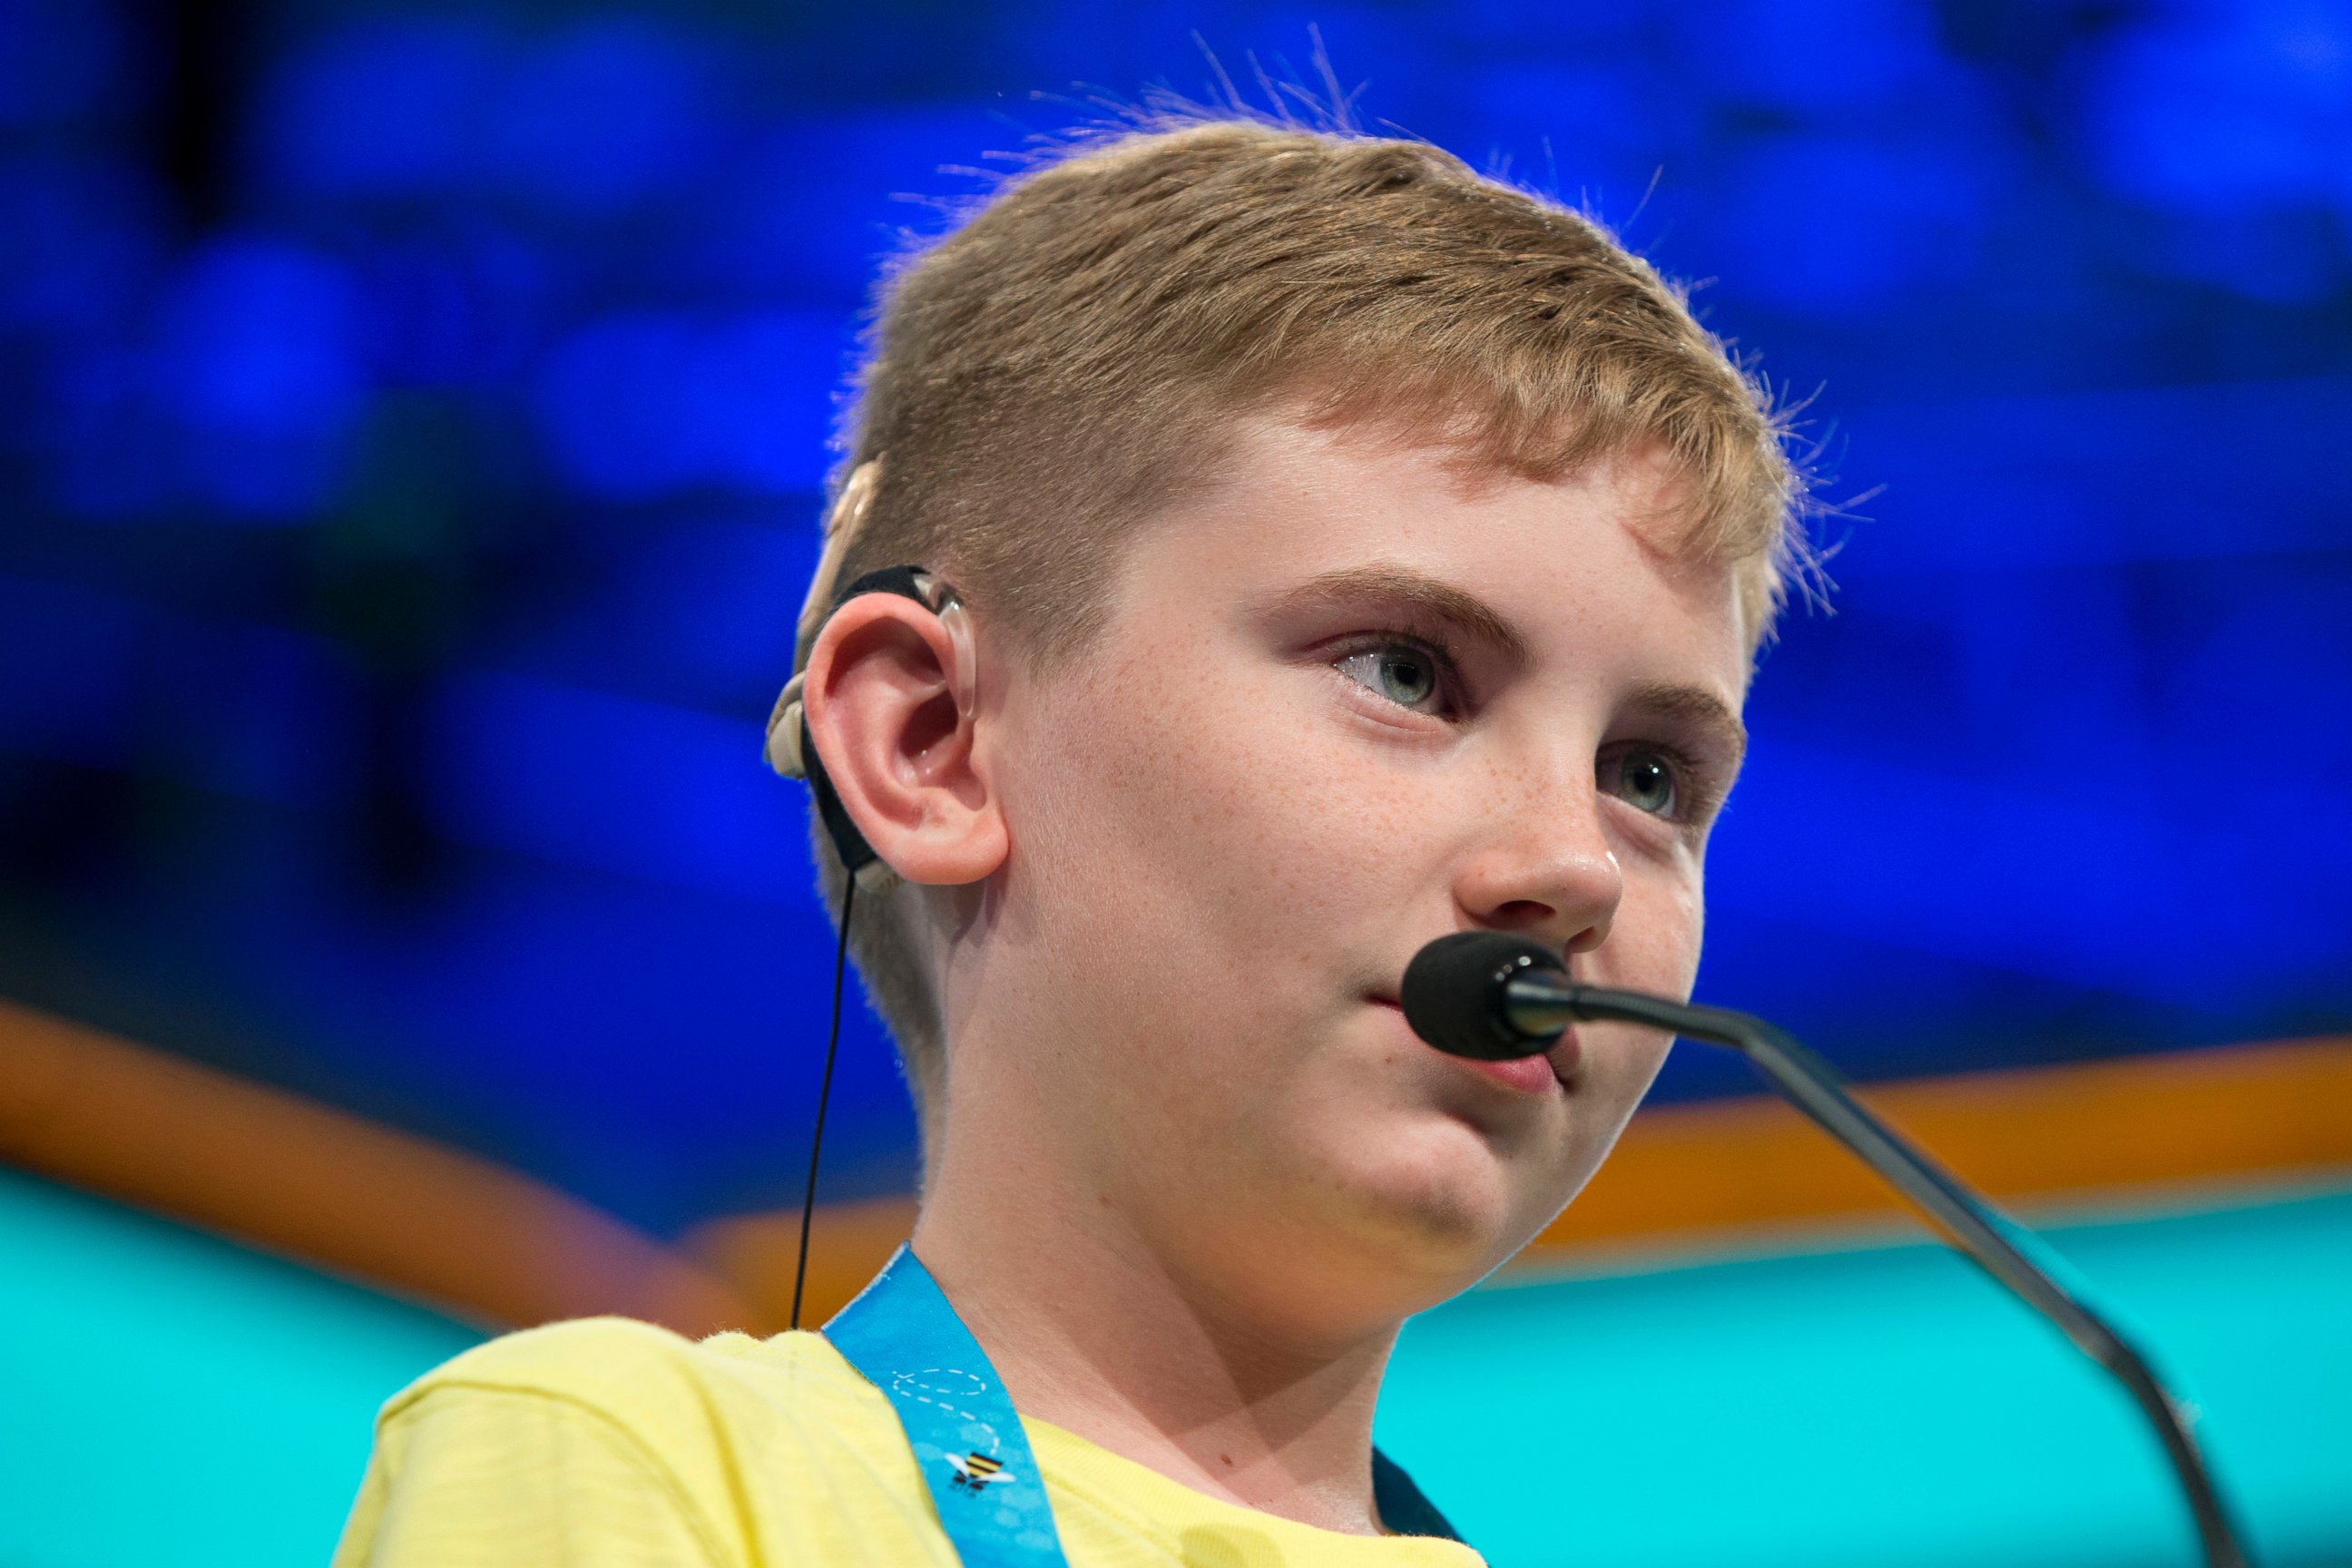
910 1383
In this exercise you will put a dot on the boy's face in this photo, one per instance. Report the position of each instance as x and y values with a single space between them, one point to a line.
1343 705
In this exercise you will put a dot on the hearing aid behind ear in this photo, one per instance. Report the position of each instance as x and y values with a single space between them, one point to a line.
791 751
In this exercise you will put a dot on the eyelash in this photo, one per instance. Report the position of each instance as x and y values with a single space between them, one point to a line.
1450 684
1693 797
1696 796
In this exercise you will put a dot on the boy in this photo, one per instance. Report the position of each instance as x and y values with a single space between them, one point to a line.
1350 550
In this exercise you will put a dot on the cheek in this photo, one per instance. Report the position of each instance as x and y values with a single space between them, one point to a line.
1653 945
1221 789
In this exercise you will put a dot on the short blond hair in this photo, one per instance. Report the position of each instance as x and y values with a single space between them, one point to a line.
1070 360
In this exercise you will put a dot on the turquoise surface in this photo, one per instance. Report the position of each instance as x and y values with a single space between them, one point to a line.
166 1397
173 1401
1888 1405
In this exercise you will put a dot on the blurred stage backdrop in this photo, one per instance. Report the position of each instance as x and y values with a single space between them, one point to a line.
412 423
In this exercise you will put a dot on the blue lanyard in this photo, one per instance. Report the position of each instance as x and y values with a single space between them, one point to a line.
904 1338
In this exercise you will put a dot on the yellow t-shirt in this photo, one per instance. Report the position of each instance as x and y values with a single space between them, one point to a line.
610 1444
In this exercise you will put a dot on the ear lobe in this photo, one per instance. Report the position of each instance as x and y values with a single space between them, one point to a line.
890 695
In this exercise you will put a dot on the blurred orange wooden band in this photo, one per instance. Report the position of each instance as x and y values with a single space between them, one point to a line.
403 1214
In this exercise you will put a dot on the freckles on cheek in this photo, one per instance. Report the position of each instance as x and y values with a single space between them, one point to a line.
1164 746
1226 778
1261 806
1324 821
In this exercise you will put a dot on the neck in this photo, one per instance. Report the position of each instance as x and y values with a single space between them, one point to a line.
1092 1330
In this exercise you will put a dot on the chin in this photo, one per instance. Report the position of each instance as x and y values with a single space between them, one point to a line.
1439 1210
1351 1245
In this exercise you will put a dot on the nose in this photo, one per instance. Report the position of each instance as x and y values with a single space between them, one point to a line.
1546 871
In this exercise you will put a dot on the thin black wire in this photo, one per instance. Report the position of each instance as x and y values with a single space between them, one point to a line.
823 1094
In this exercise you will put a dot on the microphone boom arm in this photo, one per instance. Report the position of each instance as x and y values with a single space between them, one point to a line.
1541 1002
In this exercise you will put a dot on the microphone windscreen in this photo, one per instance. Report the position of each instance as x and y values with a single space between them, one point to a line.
1453 992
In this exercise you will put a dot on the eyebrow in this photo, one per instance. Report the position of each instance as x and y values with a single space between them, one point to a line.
1418 593
1695 706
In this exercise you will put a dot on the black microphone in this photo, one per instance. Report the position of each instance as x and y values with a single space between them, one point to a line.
1491 996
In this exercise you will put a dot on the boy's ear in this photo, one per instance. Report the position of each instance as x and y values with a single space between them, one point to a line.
889 696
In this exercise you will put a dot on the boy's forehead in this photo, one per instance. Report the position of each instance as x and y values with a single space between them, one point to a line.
1317 493
1410 460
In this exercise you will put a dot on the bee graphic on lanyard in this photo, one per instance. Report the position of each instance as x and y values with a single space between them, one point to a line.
974 1472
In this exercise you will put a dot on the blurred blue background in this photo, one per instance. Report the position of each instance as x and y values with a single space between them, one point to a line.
413 416
413 419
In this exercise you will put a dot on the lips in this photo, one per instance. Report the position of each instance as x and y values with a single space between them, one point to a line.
1533 1075
1527 1075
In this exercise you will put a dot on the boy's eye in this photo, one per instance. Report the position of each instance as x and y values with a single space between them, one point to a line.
1643 780
1398 672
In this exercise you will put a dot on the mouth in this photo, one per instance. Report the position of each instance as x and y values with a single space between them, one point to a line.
1549 1072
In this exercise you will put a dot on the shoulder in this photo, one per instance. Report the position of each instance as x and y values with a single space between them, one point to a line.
593 1362
693 1409
620 1432
643 1379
